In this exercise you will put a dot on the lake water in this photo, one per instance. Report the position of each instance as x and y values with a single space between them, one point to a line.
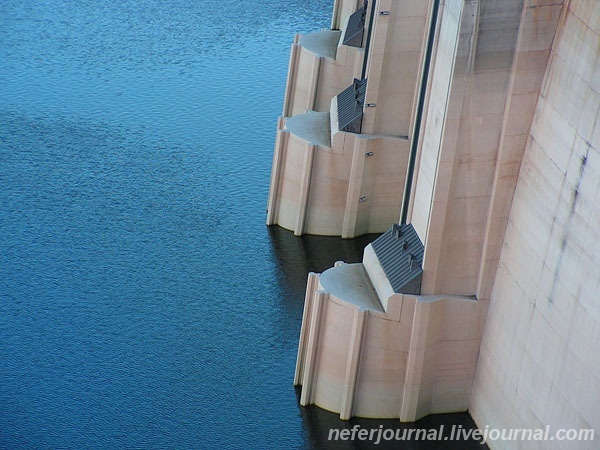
143 302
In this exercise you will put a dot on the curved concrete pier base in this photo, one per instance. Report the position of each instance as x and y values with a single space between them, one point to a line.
415 356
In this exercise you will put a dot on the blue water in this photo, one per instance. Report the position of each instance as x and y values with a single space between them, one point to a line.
143 302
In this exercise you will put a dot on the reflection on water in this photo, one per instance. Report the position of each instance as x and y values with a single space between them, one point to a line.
317 253
297 256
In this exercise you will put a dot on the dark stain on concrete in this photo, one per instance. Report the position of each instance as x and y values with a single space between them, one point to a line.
563 242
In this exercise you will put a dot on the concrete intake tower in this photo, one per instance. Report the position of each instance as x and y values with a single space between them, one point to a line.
467 132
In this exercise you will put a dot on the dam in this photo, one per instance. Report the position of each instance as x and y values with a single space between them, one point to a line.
466 133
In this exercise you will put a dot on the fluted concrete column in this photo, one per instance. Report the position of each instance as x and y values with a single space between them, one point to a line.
314 84
414 364
335 15
291 76
304 190
358 327
341 10
354 188
311 286
278 162
377 53
312 347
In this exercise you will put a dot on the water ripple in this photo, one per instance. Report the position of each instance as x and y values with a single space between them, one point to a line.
142 303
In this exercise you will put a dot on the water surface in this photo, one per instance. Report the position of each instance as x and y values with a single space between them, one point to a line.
141 302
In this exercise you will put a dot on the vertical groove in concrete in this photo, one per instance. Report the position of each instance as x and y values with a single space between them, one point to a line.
335 15
374 65
413 116
455 87
314 84
312 347
276 171
501 202
311 286
304 190
290 84
354 187
424 90
414 363
339 7
370 19
356 338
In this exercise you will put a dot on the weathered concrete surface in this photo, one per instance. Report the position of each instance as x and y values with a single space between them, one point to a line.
539 362
465 111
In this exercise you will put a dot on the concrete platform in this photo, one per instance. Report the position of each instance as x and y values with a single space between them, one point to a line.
350 282
312 127
323 43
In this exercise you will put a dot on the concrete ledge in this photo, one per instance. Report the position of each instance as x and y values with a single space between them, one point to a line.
351 283
322 43
313 127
